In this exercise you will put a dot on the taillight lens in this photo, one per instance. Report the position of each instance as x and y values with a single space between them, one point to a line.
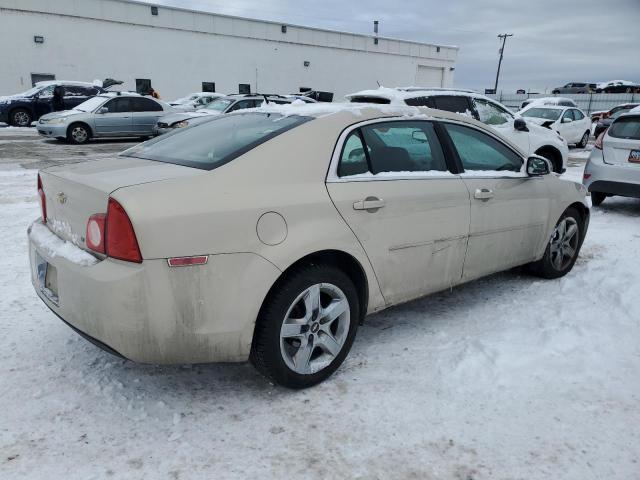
120 238
95 232
43 201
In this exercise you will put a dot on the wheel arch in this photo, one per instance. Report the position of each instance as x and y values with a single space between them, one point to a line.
340 259
84 124
554 153
24 107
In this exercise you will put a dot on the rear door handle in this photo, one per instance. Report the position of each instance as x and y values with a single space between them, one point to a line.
370 204
483 194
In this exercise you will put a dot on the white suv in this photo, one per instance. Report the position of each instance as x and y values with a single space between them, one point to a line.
529 137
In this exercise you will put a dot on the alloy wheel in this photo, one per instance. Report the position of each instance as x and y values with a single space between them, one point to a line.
315 328
79 134
564 243
21 118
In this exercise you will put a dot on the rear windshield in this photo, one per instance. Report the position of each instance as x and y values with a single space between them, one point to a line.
546 113
627 127
213 143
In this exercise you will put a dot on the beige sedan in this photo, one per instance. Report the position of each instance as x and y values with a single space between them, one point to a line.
270 234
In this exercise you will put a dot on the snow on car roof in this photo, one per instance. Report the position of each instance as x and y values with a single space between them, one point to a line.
549 100
298 107
397 96
46 83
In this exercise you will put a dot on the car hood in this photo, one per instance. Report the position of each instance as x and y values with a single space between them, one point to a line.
62 114
538 121
11 98
178 117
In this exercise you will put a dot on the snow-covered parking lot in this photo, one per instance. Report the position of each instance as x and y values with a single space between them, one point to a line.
508 377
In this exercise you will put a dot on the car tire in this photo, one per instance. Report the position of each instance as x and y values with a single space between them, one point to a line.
563 248
584 140
78 133
312 345
597 198
20 117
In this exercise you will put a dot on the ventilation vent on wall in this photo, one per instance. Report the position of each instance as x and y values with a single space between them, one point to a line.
154 10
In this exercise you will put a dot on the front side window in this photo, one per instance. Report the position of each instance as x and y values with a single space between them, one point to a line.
418 102
118 105
392 147
490 113
242 104
218 105
46 91
211 144
568 115
577 114
481 152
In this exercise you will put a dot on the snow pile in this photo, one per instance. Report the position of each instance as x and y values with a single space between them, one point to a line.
53 246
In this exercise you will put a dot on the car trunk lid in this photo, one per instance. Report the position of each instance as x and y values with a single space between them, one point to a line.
75 192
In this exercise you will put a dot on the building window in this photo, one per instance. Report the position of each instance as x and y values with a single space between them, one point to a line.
375 41
437 49
244 88
208 86
305 89
143 85
154 11
41 77
283 29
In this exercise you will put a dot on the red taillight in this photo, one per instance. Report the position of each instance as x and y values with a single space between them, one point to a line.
43 201
586 176
120 238
598 143
95 232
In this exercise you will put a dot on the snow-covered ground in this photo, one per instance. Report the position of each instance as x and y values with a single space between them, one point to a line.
509 377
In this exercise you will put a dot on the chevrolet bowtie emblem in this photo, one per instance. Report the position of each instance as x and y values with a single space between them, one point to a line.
62 198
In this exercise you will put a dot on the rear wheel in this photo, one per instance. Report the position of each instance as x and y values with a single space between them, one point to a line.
78 133
597 198
584 140
563 247
20 118
306 327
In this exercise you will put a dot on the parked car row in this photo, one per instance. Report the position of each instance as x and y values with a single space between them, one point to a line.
269 234
570 123
613 86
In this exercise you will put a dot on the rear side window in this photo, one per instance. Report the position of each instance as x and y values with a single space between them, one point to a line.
452 103
145 105
213 143
397 147
626 127
479 151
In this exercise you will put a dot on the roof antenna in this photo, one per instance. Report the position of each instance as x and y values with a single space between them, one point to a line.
379 85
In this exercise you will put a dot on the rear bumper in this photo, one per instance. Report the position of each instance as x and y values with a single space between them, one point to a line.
620 180
153 313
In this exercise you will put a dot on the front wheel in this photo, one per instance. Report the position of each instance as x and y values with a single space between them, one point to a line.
306 327
563 247
78 134
20 118
584 140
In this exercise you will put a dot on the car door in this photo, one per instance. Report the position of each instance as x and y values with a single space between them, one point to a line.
390 182
509 209
502 121
566 126
582 123
43 102
145 114
115 119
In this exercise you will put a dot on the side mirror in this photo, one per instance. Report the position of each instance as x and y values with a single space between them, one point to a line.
566 120
538 166
103 110
520 125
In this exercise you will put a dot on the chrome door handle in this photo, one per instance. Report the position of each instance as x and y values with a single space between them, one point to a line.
370 204
483 194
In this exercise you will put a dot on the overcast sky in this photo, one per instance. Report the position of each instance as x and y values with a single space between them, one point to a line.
554 42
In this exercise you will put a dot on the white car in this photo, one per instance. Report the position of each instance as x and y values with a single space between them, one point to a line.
570 123
195 100
528 136
614 165
269 234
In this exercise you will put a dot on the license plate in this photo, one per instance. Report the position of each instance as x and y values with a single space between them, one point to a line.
47 278
634 156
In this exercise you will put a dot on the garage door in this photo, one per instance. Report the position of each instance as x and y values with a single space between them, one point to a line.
429 76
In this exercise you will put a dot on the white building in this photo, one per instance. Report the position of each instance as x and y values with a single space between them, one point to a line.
178 50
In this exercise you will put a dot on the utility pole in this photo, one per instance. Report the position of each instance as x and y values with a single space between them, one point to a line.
503 36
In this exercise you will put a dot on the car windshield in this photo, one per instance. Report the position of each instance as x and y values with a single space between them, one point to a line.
627 128
213 143
218 105
90 105
546 113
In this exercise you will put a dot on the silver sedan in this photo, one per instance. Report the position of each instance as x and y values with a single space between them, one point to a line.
108 115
